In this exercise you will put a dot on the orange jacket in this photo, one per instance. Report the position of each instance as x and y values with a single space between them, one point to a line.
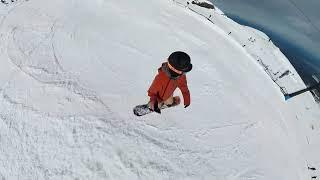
163 87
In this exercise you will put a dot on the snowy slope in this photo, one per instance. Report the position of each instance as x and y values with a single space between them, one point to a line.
71 72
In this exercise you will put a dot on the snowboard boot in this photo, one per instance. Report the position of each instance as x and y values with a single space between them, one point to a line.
175 101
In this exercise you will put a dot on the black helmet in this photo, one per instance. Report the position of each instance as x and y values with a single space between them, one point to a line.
180 61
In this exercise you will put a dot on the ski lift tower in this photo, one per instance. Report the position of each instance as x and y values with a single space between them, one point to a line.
316 92
314 89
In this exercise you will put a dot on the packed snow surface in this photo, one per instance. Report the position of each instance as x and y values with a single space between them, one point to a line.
71 72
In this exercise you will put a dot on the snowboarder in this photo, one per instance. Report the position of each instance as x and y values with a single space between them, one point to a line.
171 74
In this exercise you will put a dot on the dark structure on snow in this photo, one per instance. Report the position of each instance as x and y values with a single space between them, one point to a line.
203 4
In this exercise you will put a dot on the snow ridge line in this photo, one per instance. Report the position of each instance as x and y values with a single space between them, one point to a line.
209 16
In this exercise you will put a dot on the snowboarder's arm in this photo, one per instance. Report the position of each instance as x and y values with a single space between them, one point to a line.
183 86
154 89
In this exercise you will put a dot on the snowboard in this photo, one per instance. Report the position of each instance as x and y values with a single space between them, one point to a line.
143 109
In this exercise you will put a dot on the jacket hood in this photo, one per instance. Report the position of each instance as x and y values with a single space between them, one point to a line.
164 68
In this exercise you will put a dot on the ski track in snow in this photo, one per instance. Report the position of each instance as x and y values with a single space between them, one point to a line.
48 71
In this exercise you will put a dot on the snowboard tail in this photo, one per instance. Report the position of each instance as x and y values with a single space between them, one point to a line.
143 109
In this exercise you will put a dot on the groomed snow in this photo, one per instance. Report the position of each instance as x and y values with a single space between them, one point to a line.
71 72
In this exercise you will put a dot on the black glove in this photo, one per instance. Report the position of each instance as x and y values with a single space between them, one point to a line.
155 107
